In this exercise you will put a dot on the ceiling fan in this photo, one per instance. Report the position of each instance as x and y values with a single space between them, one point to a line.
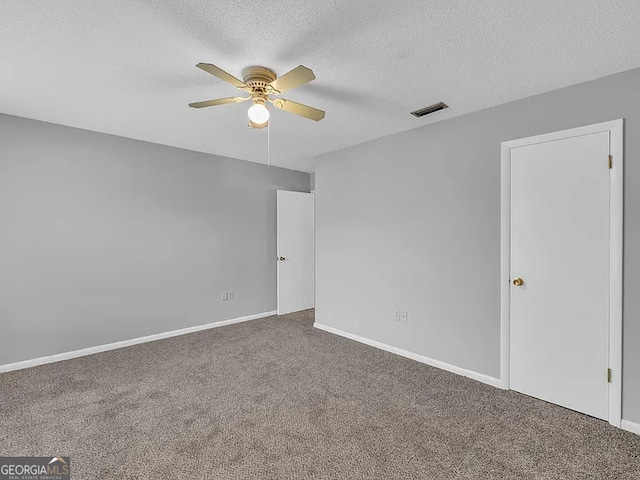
261 83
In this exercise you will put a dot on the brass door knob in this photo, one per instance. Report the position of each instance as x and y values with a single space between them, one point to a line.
281 259
518 281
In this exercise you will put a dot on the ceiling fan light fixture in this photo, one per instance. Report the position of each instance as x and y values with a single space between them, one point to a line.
258 126
261 83
258 113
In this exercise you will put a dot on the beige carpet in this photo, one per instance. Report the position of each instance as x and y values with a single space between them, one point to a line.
278 399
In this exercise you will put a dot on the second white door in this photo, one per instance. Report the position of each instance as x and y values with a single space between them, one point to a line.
559 333
296 251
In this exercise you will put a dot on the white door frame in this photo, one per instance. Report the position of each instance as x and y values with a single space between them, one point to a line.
615 127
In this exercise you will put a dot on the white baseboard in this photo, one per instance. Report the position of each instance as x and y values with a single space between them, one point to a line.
630 426
127 343
494 382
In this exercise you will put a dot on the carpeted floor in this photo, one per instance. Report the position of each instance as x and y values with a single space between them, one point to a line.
278 399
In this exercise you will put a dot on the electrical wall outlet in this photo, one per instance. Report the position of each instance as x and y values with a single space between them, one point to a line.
224 296
403 316
230 295
396 315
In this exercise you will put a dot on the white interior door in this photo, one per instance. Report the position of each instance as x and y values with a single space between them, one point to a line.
559 315
296 251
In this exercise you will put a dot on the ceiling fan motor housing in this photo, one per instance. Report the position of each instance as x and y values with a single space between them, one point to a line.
258 77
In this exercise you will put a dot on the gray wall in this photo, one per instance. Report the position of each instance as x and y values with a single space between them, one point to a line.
422 230
104 238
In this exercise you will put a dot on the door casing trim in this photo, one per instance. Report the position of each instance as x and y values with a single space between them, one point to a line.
616 229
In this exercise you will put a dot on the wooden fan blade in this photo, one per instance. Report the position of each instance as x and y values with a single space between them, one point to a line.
222 75
299 109
292 79
218 101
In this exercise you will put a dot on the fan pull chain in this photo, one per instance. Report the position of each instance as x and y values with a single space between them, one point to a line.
269 144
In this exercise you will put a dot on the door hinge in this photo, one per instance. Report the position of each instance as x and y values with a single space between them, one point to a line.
610 162
608 375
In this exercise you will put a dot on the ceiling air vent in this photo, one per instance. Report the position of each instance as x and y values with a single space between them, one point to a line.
436 107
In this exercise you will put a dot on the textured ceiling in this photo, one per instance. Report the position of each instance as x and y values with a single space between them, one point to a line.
128 67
